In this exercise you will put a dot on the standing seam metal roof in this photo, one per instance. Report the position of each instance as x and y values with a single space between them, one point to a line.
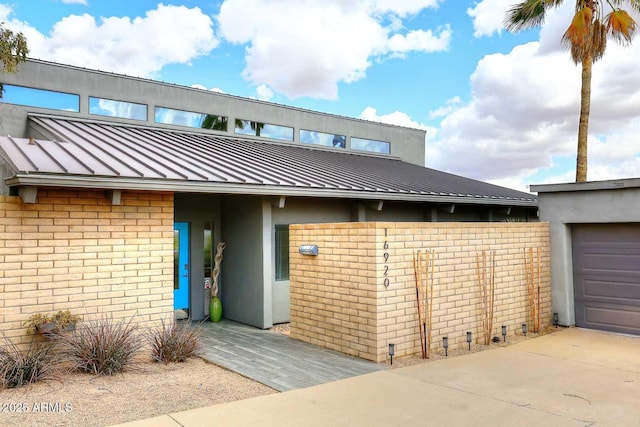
83 148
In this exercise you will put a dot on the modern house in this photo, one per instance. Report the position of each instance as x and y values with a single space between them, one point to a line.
108 182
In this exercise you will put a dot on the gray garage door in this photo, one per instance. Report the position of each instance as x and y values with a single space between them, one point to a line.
606 276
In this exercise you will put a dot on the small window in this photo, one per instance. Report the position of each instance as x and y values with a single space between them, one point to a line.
176 259
266 130
370 145
122 109
320 138
171 116
282 252
41 98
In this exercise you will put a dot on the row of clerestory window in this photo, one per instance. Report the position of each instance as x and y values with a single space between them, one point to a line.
129 110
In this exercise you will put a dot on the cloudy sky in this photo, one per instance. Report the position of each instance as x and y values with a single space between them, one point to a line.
496 106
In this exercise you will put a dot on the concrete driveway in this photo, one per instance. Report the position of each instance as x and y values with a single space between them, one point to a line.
573 377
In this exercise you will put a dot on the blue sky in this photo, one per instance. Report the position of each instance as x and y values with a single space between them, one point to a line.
496 106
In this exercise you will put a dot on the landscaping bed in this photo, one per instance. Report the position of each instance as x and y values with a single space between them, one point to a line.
150 389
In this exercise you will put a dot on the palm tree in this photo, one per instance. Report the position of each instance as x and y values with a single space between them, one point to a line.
214 122
586 37
13 50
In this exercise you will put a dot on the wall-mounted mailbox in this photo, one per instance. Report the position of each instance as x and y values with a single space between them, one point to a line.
311 250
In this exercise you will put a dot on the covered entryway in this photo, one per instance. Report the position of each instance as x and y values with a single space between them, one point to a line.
606 266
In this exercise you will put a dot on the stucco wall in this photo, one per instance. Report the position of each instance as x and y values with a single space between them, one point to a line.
405 143
339 301
562 205
74 250
242 288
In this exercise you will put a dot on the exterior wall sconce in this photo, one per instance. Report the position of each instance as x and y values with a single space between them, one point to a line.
504 333
445 344
555 320
524 329
469 340
310 250
392 351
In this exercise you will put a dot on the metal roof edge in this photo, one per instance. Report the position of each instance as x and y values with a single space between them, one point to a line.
47 180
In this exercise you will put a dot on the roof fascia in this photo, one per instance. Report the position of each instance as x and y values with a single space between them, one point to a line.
262 190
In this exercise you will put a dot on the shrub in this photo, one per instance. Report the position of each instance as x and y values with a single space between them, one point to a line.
102 346
19 368
62 320
174 341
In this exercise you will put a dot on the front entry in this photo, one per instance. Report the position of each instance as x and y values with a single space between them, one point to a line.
181 266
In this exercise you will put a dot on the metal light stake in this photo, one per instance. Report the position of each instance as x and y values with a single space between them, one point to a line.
524 329
469 340
504 333
445 344
392 351
555 320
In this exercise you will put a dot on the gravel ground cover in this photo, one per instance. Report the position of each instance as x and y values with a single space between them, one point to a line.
152 389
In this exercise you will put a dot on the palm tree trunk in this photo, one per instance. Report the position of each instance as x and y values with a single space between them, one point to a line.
583 127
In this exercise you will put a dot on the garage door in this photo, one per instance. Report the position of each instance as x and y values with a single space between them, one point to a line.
606 276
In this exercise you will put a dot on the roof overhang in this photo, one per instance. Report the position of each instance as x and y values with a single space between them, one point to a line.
111 156
179 186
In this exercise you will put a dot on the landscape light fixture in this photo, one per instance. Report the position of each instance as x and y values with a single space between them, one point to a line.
524 329
555 320
392 351
504 333
469 340
445 344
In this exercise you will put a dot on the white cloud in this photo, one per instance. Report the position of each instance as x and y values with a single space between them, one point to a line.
82 2
140 46
420 40
523 114
213 89
306 54
397 118
264 93
450 106
488 16
402 8
488 19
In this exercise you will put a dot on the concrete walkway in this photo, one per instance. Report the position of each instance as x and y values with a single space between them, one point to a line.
276 360
572 377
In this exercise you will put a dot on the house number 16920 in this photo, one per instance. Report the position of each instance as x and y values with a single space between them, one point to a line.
385 255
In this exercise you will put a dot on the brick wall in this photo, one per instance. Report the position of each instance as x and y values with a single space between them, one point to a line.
75 250
339 301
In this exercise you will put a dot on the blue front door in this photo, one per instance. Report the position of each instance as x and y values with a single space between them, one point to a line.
181 265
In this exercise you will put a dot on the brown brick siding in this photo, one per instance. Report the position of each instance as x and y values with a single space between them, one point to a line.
338 299
74 250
